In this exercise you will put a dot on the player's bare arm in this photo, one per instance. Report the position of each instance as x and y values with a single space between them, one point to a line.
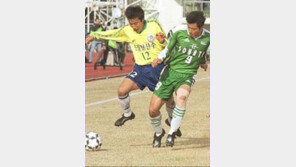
156 62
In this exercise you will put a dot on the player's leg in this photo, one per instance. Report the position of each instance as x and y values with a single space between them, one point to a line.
120 55
92 48
182 95
105 56
125 87
137 79
155 118
100 57
162 93
99 46
116 57
170 105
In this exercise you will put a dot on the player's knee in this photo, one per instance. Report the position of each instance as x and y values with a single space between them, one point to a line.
182 95
183 98
121 92
153 112
181 101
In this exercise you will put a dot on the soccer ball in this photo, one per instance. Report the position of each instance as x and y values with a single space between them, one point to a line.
93 141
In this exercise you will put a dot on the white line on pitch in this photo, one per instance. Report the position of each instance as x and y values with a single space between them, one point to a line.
132 94
105 101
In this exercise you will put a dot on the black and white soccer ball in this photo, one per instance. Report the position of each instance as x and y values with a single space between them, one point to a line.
93 141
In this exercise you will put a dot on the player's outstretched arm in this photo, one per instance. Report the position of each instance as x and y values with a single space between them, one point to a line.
118 35
156 62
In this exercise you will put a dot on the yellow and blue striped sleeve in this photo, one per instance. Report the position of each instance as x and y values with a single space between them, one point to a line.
118 35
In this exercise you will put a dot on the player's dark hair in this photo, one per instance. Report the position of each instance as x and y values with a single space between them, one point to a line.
133 12
196 17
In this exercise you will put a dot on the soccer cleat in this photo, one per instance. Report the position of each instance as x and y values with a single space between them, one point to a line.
157 139
170 140
121 120
178 132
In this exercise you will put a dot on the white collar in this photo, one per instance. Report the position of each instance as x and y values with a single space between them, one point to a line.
203 31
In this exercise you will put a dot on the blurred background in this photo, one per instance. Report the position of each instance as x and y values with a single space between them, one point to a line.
110 14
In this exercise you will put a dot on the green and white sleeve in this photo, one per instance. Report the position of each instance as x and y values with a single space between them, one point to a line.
170 46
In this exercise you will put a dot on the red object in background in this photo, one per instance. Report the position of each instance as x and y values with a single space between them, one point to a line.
110 71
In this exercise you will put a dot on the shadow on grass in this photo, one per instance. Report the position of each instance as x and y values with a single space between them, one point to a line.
184 142
191 143
89 151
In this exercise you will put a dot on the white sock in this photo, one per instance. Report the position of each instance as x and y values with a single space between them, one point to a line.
156 124
125 105
177 118
170 112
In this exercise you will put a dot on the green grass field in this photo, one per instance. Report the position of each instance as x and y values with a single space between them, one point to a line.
131 144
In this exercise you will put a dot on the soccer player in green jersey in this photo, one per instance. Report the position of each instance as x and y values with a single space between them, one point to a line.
146 39
185 53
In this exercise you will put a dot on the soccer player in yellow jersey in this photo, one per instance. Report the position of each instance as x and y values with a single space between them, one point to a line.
147 39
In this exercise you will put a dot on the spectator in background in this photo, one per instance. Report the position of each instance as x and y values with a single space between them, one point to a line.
86 34
121 52
103 58
117 49
86 46
114 47
97 27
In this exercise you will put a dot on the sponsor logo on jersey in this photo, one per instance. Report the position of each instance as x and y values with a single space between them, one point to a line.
193 46
145 47
150 38
186 40
188 51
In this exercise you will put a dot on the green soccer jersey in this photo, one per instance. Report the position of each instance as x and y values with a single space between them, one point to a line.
183 53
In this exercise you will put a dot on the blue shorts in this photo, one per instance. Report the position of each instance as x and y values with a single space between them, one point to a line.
145 76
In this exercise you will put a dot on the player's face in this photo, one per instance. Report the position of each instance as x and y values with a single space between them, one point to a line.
136 24
97 21
194 31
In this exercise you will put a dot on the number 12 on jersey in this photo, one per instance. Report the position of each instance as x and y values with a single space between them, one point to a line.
146 56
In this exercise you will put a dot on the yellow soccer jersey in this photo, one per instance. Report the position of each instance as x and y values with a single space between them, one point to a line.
144 45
